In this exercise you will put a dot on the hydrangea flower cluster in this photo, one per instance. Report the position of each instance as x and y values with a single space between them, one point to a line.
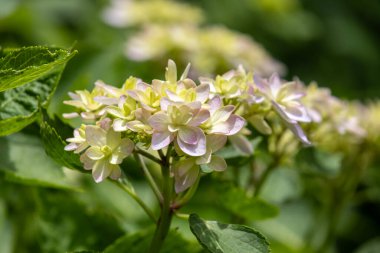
197 45
124 13
171 112
164 31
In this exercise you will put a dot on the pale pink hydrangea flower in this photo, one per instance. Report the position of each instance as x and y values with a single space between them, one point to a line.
285 100
186 171
180 123
106 151
77 143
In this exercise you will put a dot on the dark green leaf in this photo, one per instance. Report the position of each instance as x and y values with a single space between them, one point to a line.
227 238
53 132
23 160
250 208
24 65
139 242
372 246
19 106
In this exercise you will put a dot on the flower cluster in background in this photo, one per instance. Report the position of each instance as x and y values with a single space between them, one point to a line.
164 32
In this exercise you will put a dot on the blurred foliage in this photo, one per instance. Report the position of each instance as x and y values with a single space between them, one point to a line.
334 42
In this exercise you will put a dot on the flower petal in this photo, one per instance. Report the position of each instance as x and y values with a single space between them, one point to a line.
298 132
185 174
120 125
116 173
241 143
203 92
189 135
161 139
95 136
159 121
196 149
222 114
94 153
217 163
113 139
101 170
202 116
216 142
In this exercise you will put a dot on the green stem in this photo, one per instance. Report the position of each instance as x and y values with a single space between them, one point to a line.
149 156
265 176
149 177
164 221
137 199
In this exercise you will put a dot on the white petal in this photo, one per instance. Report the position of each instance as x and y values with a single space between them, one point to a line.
217 163
94 153
171 72
95 136
120 125
101 170
113 138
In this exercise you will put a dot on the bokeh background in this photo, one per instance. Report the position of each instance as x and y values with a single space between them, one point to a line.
336 43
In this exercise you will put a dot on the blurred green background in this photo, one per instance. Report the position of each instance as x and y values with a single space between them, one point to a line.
336 43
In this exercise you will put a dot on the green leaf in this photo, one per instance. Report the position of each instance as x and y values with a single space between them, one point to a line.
65 223
139 242
227 238
236 201
53 133
23 160
19 106
27 64
371 246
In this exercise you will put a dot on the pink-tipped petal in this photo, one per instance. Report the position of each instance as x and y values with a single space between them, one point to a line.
197 149
299 133
203 92
297 113
185 174
189 135
159 121
281 112
202 116
161 139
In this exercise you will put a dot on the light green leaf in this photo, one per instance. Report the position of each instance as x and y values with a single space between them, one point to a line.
19 106
53 133
139 242
23 160
250 208
27 64
227 238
